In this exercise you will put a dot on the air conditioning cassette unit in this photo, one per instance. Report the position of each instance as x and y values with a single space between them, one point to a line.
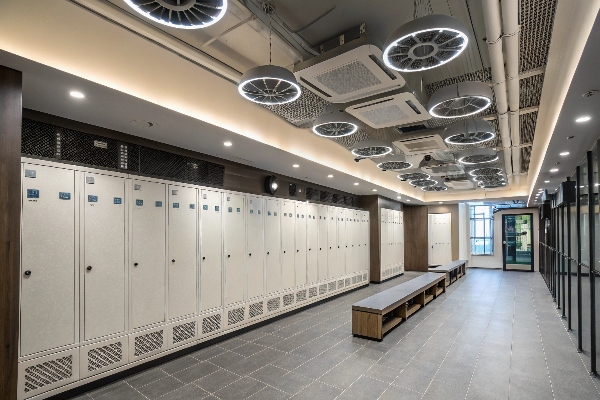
348 73
459 184
444 170
425 142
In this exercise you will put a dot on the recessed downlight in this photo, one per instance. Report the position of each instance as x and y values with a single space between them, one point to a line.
355 183
330 176
227 144
441 202
296 166
546 181
407 199
585 118
564 153
554 170
399 197
76 94
374 190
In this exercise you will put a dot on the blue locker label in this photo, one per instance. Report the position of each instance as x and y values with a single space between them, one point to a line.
64 195
269 213
192 206
117 200
217 208
239 210
175 205
33 194
139 203
259 212
275 213
302 215
290 215
92 199
205 207
251 211
158 204
230 209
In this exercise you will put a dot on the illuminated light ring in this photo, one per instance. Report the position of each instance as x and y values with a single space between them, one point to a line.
461 160
488 104
478 131
352 131
263 75
473 173
423 182
387 151
162 3
434 188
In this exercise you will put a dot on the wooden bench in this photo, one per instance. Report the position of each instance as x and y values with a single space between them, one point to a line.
374 316
453 270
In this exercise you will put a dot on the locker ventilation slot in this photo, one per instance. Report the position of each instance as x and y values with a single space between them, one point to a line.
300 296
273 304
148 343
104 356
322 289
359 278
348 281
312 292
40 375
235 316
354 280
365 277
288 299
340 284
211 324
184 332
331 286
256 309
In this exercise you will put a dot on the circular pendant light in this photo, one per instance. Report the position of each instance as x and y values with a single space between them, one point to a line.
182 14
425 43
434 188
396 162
477 156
489 178
270 85
491 184
371 148
460 100
334 123
471 131
423 183
413 176
486 172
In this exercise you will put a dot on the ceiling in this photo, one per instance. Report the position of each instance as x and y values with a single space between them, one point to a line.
120 58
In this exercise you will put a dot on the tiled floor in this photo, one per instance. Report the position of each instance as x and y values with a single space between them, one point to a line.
493 335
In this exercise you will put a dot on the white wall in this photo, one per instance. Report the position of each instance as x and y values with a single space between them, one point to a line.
495 261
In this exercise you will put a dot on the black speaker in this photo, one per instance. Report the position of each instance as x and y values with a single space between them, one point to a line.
271 184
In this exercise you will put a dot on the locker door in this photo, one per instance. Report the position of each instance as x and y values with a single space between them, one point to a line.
322 237
356 241
288 244
312 233
396 238
300 253
47 259
390 256
182 261
148 252
332 242
234 248
273 245
384 238
350 258
402 241
341 241
255 239
430 239
211 250
366 265
104 255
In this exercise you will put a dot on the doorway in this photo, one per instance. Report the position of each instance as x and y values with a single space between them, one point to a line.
440 239
517 242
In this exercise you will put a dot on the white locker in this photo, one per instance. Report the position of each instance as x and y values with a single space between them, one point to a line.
323 246
255 246
148 253
396 238
350 257
288 245
332 242
366 254
356 241
47 258
234 236
182 260
383 223
211 250
341 242
312 234
104 255
273 245
391 261
401 241
300 240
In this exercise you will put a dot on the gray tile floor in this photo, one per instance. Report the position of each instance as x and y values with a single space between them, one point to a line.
493 335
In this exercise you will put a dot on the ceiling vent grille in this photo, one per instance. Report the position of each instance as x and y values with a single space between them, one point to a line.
414 176
434 188
422 143
423 183
389 110
459 184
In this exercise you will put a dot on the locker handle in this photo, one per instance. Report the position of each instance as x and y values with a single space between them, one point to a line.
228 255
173 260
297 251
250 255
135 264
309 249
27 273
268 252
203 258
284 252
89 268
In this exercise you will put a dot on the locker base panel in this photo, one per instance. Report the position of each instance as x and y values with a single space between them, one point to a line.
389 278
72 387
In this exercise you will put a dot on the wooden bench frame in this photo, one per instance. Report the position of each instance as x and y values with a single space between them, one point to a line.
374 323
453 271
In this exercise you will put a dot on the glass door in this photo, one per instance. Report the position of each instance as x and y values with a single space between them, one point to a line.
517 240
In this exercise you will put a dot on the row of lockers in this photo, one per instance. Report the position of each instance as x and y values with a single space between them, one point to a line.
392 242
105 253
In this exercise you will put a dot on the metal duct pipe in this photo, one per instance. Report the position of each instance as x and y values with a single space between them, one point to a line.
493 30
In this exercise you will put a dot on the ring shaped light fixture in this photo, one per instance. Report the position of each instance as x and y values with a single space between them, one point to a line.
423 182
271 184
434 188
486 172
470 131
477 156
489 178
269 85
371 148
425 43
182 14
460 100
395 162
413 176
334 123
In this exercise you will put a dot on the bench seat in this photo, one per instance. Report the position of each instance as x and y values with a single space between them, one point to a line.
453 270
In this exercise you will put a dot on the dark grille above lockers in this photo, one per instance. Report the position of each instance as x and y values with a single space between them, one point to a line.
48 141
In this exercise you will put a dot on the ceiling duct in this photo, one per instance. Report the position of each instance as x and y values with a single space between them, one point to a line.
478 156
469 132
396 162
428 141
413 176
459 184
269 85
335 123
425 43
182 14
371 148
348 73
460 100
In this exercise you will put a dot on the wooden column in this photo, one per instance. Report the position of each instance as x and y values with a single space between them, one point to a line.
10 215
416 232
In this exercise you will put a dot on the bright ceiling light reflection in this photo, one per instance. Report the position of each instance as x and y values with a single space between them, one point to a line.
296 166
355 183
554 170
546 181
330 176
77 95
564 153
374 190
583 119
227 144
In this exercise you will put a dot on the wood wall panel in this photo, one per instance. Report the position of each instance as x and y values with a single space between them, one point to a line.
416 238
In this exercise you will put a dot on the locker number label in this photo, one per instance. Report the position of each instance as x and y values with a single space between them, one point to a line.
259 212
139 203
205 207
239 210
33 194
269 213
64 195
159 204
89 180
118 200
192 206
230 209
92 199
30 173
217 208
137 187
175 205
251 211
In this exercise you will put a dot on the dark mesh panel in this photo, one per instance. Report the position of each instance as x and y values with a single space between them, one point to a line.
312 194
215 174
38 139
326 197
160 163
293 191
89 149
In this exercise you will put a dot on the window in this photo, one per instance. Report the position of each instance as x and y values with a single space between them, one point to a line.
482 230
